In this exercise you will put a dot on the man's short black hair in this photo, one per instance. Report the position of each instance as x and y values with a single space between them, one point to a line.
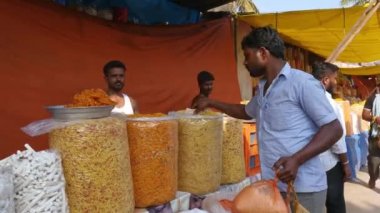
322 69
267 38
204 76
113 64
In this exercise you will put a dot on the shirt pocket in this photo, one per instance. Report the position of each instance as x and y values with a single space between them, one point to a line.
279 117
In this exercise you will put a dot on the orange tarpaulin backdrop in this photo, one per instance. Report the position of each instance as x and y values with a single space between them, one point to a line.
47 53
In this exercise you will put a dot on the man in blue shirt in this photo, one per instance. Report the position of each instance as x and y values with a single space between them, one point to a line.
295 120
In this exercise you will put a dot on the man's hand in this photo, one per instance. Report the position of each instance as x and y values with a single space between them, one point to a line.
287 168
346 172
200 104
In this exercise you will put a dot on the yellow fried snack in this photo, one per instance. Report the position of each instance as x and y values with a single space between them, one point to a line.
96 164
233 151
200 153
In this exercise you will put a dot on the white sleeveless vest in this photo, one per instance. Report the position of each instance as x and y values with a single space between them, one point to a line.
126 109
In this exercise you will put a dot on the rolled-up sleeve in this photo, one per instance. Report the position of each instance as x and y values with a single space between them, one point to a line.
314 102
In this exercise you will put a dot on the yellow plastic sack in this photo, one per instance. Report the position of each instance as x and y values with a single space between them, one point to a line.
96 165
200 153
153 143
233 169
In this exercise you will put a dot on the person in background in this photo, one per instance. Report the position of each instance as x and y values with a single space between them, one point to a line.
353 148
371 113
295 121
205 84
334 159
114 75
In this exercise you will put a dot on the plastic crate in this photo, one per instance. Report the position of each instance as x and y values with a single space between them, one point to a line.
251 149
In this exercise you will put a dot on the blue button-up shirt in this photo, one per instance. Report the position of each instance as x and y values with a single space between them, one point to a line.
288 116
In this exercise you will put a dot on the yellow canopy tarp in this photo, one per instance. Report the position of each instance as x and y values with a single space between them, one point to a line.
375 70
320 31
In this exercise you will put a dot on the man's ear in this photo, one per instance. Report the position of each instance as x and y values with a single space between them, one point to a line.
325 80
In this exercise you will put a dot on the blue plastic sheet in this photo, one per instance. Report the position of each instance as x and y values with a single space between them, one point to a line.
160 12
146 12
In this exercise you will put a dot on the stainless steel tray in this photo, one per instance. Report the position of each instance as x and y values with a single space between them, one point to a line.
60 112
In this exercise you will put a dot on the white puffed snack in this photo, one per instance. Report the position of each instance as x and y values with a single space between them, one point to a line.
39 182
6 189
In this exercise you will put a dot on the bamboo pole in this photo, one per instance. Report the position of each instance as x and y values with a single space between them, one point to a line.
358 26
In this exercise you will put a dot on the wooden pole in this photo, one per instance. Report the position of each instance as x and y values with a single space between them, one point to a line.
358 26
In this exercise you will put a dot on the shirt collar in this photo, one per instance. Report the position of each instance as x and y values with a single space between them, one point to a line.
286 71
328 95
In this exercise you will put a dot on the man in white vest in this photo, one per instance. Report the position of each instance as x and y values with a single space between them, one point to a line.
334 160
114 74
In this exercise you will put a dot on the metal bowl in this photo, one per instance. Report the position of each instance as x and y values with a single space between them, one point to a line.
60 112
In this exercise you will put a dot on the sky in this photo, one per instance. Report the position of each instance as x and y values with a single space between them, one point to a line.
268 6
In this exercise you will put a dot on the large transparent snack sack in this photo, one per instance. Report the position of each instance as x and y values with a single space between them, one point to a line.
153 142
200 152
96 164
233 165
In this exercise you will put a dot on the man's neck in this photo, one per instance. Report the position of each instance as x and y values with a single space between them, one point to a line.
113 92
203 94
273 70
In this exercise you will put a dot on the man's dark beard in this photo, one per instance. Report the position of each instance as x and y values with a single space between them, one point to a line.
330 90
117 88
256 73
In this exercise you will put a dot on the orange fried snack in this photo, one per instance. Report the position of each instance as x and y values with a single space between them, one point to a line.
91 97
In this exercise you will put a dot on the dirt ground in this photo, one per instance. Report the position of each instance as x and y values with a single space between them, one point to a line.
361 199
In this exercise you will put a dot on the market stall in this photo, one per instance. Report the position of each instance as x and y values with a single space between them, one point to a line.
116 162
65 51
103 162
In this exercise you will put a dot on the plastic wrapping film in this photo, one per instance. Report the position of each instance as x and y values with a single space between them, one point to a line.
233 169
200 152
96 165
45 126
6 189
153 142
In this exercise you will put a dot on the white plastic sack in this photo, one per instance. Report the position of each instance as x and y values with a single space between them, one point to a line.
6 190
194 211
235 188
212 205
